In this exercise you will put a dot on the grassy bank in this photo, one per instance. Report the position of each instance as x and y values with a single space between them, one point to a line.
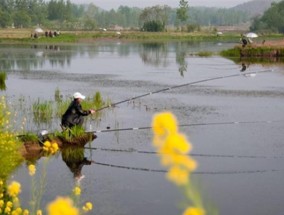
24 36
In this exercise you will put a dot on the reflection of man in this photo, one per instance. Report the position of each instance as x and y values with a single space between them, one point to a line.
75 160
244 67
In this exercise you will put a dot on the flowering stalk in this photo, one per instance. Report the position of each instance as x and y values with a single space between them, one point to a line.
173 148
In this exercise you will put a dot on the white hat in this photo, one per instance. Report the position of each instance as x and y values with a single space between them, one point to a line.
78 95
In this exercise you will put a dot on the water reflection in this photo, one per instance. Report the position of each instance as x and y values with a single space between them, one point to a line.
75 160
244 67
181 52
41 56
154 54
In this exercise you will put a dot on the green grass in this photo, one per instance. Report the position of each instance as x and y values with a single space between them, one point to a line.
42 111
204 54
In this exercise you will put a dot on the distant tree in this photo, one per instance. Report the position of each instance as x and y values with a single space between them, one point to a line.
154 18
5 19
22 19
182 11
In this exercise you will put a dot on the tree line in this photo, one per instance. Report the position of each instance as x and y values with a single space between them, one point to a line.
271 21
68 16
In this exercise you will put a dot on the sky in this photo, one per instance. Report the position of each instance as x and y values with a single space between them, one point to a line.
114 4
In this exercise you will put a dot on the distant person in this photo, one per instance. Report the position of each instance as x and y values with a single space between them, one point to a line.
244 42
74 115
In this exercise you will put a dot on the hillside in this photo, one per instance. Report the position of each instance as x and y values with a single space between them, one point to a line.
255 7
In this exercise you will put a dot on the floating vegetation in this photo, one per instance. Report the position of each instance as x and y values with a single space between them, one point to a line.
3 77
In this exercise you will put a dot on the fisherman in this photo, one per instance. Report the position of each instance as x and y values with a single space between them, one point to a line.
244 41
74 115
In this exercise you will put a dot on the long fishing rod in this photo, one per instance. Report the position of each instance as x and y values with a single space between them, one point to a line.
179 86
188 125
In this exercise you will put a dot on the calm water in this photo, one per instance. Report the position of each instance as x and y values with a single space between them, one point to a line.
240 164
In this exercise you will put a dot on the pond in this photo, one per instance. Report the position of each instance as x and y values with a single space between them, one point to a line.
235 124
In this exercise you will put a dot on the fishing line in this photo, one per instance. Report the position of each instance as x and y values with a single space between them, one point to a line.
188 125
190 154
179 86
195 173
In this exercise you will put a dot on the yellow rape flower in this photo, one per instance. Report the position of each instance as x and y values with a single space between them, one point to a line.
62 206
9 204
32 169
1 203
178 175
47 144
7 210
77 190
54 146
38 212
17 212
14 189
49 147
164 123
194 211
177 143
87 207
26 212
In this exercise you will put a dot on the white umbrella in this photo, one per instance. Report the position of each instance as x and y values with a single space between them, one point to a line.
251 35
38 30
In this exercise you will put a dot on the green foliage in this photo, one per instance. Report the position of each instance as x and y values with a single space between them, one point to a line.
10 157
29 136
154 19
234 52
182 11
62 14
192 27
153 26
69 133
271 21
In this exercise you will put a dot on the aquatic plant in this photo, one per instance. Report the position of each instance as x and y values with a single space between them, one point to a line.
173 148
61 107
3 77
42 111
57 95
